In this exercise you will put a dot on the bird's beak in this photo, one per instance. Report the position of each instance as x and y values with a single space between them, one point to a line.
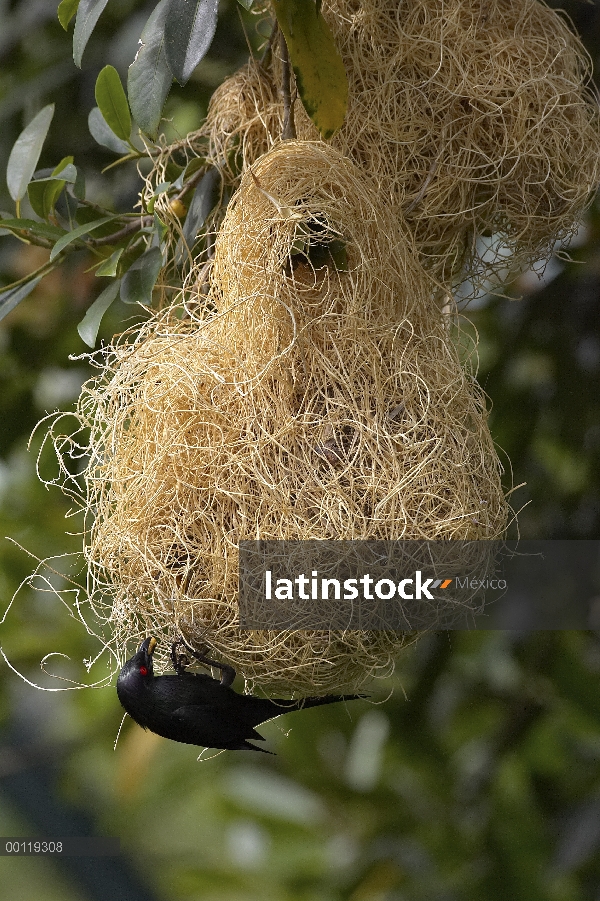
148 646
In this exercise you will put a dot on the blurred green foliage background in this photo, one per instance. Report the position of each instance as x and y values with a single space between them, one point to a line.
477 778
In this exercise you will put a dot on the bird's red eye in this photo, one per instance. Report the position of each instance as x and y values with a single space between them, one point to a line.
143 671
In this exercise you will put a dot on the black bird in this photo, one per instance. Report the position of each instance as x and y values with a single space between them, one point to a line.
195 708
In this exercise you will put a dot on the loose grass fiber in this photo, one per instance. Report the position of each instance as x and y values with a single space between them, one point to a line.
307 401
475 118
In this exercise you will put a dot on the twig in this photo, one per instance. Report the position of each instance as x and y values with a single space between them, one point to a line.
289 128
94 206
196 177
27 238
134 155
42 270
265 59
130 229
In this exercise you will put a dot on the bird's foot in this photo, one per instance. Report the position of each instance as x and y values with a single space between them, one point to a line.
181 661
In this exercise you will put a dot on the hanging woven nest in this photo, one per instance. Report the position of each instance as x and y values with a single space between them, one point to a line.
475 118
316 394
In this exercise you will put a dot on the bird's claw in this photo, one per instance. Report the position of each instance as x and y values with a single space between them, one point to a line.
181 661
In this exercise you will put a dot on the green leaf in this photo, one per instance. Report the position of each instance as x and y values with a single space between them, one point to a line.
77 233
189 30
79 186
68 173
318 66
89 325
160 229
44 192
88 13
26 152
87 214
66 170
39 229
149 79
110 265
43 195
339 255
9 299
112 102
103 134
140 278
66 11
198 162
173 171
204 199
247 4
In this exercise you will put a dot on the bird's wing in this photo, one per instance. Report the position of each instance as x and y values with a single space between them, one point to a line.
211 726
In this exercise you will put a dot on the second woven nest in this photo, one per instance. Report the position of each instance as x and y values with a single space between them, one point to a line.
315 394
474 117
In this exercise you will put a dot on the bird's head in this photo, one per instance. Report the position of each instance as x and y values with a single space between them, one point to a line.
135 682
140 665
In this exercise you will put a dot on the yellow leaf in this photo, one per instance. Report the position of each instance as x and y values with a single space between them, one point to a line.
317 64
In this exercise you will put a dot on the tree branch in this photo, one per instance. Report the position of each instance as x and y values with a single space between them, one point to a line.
196 177
27 238
289 128
266 58
130 229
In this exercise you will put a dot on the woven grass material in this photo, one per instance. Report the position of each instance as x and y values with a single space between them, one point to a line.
310 403
475 117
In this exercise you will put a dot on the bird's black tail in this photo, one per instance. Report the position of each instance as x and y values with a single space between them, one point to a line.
258 710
